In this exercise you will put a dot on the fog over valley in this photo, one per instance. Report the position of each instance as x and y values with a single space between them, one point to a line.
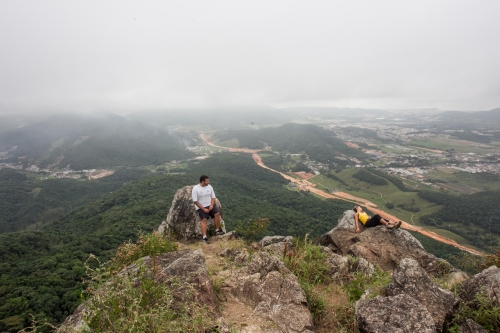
128 57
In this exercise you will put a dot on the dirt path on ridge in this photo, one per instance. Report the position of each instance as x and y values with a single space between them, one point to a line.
305 185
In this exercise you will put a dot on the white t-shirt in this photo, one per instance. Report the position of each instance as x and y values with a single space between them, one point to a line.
203 194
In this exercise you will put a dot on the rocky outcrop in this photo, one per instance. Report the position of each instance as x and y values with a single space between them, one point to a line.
182 220
396 314
272 292
381 246
410 279
268 240
185 272
487 282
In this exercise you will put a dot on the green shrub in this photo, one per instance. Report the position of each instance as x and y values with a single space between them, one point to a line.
147 245
491 260
253 229
308 263
482 310
376 282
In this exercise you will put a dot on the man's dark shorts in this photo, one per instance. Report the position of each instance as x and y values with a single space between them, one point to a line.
211 213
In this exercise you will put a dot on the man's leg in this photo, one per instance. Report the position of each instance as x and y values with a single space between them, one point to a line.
204 227
217 221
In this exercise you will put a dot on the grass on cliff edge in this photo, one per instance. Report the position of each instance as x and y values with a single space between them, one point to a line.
332 303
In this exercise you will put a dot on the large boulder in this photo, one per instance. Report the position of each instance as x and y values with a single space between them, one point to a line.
271 291
382 246
487 282
186 274
411 279
396 314
183 221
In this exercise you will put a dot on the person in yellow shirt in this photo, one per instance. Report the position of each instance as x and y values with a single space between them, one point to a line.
373 221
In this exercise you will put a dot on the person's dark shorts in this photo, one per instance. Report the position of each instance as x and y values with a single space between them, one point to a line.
211 213
373 221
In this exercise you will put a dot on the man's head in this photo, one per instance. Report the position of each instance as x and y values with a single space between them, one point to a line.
204 180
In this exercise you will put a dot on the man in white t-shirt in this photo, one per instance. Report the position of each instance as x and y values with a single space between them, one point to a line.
204 200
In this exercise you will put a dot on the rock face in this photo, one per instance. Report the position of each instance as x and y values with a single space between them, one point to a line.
184 271
486 282
470 326
183 220
410 279
272 292
385 247
397 314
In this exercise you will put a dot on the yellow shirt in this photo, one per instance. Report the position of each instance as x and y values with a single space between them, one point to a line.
363 217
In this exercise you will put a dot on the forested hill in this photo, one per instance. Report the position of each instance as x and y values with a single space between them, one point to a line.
85 142
476 217
318 143
491 115
27 200
42 269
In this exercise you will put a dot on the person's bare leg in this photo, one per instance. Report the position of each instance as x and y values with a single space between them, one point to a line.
217 221
387 223
204 227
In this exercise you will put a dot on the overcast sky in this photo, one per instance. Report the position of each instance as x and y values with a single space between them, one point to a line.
129 56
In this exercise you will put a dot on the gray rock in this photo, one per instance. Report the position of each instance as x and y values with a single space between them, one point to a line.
346 221
338 265
274 293
412 280
397 314
268 240
183 220
363 266
470 326
382 246
278 245
455 278
225 253
487 282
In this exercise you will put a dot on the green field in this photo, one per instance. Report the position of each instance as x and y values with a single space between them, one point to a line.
445 142
464 182
231 143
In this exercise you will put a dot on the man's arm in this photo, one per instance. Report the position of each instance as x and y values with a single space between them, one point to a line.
199 205
356 221
212 201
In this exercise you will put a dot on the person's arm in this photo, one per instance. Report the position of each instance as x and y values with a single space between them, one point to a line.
356 221
212 202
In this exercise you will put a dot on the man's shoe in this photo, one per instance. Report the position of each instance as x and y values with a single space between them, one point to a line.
398 224
219 232
205 239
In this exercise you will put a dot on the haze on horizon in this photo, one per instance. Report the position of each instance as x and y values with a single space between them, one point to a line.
126 56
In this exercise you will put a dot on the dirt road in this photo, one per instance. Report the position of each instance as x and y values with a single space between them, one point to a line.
305 185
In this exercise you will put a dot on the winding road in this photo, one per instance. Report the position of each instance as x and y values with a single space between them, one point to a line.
305 185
